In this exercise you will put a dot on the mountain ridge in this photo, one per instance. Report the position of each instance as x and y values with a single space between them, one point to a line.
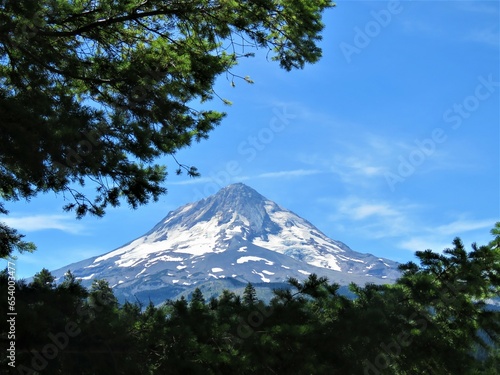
236 233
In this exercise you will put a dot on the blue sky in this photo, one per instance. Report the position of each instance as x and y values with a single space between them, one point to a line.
390 143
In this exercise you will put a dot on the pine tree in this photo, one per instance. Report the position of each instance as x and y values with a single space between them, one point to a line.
96 92
249 295
43 279
197 298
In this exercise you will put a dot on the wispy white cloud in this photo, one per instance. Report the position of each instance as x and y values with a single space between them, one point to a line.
403 224
422 243
192 181
45 222
278 174
291 173
351 168
440 237
359 164
369 161
374 218
356 209
489 36
460 226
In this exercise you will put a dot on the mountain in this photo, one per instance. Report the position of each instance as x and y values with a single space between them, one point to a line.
224 241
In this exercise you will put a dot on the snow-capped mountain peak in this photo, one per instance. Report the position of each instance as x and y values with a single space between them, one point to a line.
238 234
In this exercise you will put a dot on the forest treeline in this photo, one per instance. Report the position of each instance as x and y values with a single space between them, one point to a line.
438 318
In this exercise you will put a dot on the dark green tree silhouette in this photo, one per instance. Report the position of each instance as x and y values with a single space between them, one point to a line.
434 320
43 279
11 240
249 295
94 92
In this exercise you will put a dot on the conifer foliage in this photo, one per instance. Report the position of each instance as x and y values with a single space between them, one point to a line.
434 320
92 93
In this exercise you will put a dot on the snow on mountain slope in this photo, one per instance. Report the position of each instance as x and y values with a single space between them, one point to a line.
238 234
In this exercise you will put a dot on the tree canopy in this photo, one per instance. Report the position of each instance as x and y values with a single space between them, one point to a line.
94 92
437 319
